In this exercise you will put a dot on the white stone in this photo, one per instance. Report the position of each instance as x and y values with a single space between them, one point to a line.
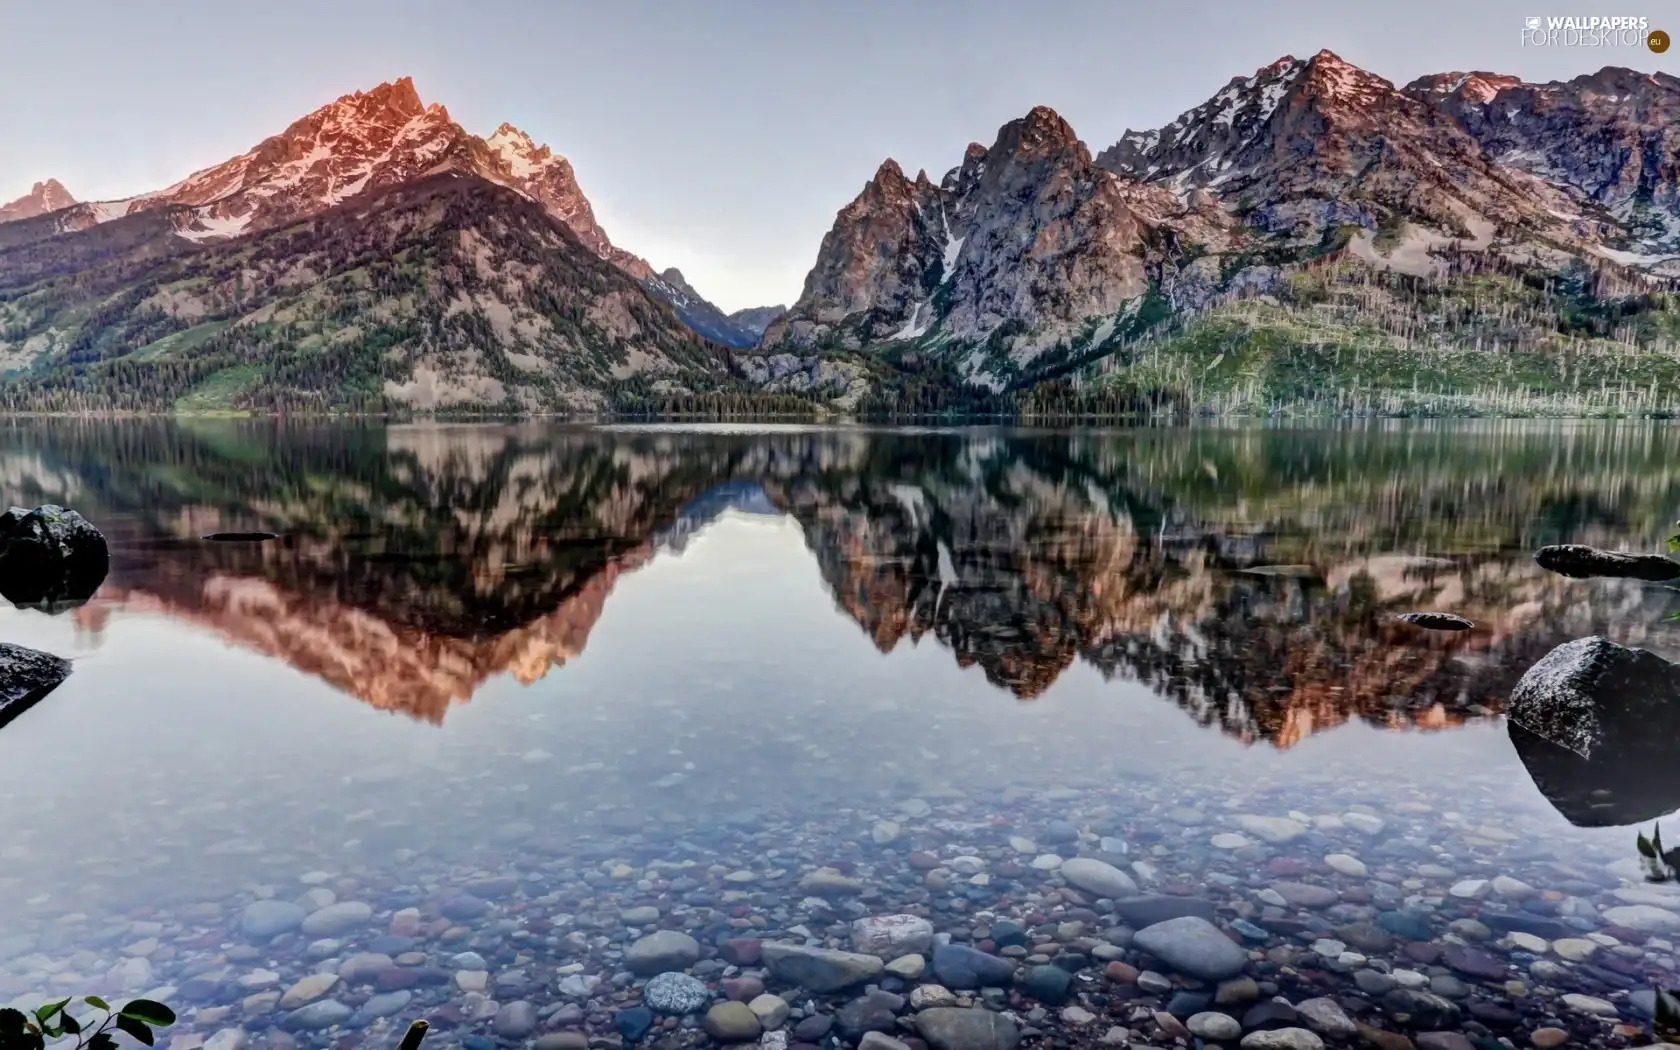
1470 889
471 980
1589 1004
1346 864
1021 844
1513 889
1644 918
1410 979
1229 840
1528 942
1575 949
1363 823
1047 862
1328 948
1275 830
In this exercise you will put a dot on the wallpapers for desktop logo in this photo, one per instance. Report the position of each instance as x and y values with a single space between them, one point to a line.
1593 31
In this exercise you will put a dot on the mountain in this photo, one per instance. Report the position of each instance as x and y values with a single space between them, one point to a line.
1611 138
1310 184
697 313
42 198
363 142
437 293
755 319
1025 241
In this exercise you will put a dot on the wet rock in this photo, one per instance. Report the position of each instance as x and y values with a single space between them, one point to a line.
50 556
1583 562
316 1016
892 936
660 951
1098 877
385 1004
1589 1004
1149 910
645 916
819 969
1193 946
732 1023
464 907
264 919
1548 1038
676 993
338 918
633 1023
955 1028
1589 721
959 966
1047 984
1215 1026
827 882
1644 918
1325 1017
909 967
1275 830
812 1029
1419 1009
880 1041
1474 962
1305 894
1367 937
1436 621
515 1020
772 1011
26 676
1282 1039
308 990
875 1012
1270 1015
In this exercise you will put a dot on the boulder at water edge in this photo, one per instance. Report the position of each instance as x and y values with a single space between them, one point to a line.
50 557
1593 723
26 676
1583 562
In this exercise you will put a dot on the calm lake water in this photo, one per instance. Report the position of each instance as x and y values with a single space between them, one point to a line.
564 673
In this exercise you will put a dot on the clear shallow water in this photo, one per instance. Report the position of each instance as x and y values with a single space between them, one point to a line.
610 662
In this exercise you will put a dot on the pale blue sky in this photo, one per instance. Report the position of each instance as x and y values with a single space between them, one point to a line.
717 137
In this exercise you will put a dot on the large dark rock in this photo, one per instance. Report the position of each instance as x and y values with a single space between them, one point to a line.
27 675
1594 722
50 557
1582 562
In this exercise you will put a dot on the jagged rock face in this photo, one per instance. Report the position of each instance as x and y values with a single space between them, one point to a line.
881 257
1305 146
43 197
1613 136
1047 238
1028 231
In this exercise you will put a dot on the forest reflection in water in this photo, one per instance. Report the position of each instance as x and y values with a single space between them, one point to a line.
1251 576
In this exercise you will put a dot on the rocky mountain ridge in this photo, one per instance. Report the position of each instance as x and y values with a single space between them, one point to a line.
1032 252
43 197
365 141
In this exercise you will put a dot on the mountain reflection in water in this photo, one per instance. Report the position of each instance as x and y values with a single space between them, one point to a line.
416 562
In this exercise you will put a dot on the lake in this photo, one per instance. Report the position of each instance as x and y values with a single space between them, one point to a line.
497 702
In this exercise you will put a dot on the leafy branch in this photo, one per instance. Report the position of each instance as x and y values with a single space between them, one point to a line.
137 1018
1660 865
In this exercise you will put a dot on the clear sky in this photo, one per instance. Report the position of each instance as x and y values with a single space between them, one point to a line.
719 137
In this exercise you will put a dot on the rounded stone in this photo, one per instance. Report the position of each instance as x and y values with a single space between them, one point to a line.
732 1023
1193 946
1220 1028
338 918
661 951
264 919
676 993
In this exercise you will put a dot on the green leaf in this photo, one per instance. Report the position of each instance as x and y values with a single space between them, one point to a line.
411 1039
97 1003
1667 1023
66 1023
135 1027
102 1041
45 1013
1645 847
148 1011
1656 838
